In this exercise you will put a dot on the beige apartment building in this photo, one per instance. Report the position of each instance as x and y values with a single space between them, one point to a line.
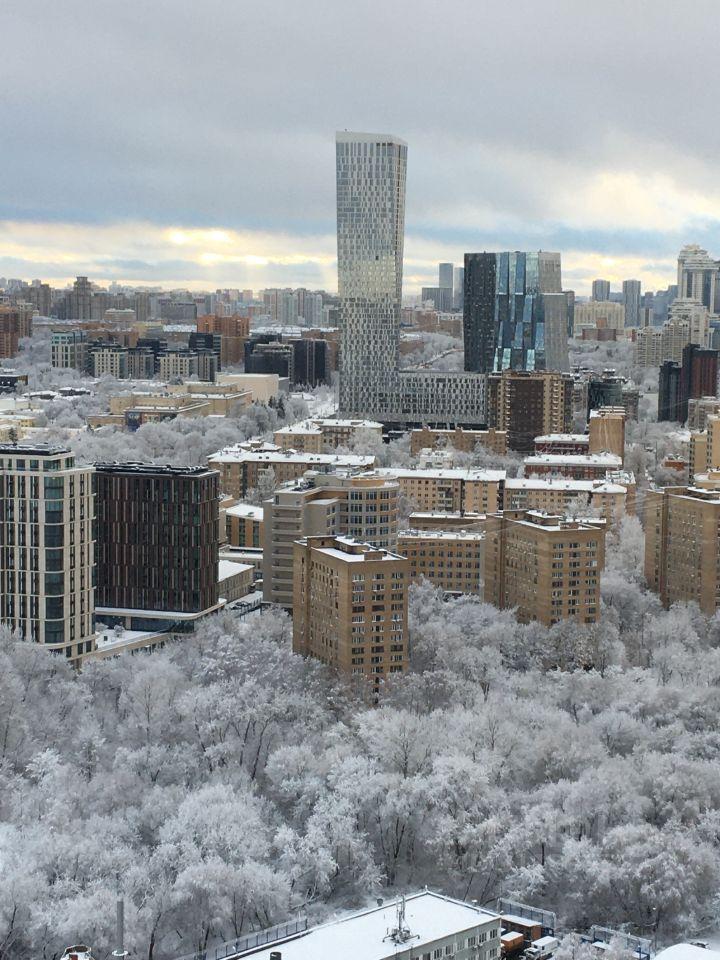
449 490
545 567
606 431
48 556
590 466
465 441
451 559
557 495
598 315
244 525
688 322
245 465
350 607
682 543
699 409
364 508
704 455
320 435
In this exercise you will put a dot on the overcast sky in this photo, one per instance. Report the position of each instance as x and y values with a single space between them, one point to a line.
192 143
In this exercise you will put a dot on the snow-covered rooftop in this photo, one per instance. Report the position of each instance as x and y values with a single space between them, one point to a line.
457 473
366 935
245 510
609 460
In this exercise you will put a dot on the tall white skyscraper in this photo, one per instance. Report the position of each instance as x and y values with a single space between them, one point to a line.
371 170
698 277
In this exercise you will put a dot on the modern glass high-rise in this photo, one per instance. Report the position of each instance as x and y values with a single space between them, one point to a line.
371 174
600 290
515 313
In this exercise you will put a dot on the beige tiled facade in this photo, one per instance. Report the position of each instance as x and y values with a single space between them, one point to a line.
465 441
451 559
682 543
364 508
350 607
545 567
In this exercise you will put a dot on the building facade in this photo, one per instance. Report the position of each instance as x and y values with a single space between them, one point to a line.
450 559
47 549
350 607
515 313
526 405
545 567
157 544
371 175
15 323
682 547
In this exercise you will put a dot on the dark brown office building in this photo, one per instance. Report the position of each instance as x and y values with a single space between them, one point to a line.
529 404
157 542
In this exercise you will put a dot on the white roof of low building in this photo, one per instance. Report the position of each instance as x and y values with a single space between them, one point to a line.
245 510
560 483
563 438
608 460
366 935
236 455
687 951
456 473
229 568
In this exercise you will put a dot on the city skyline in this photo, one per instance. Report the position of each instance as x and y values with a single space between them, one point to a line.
237 193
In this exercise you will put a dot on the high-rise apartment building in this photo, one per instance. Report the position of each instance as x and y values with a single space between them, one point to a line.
601 290
682 547
371 172
632 300
350 607
46 547
157 544
546 567
440 297
446 276
528 405
15 323
698 276
459 294
515 313
364 508
698 376
79 300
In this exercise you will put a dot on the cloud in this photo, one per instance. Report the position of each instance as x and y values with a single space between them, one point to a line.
529 124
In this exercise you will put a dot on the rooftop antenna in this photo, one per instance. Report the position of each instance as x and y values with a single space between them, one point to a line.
120 953
400 932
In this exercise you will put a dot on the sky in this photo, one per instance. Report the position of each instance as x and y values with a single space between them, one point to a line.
191 144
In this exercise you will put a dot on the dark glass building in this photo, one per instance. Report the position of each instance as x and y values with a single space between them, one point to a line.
157 542
669 392
515 315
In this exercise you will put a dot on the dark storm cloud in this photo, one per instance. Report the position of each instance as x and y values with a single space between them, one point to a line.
222 113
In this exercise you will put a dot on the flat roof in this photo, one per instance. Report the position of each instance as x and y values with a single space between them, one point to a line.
451 473
560 483
245 510
563 438
575 459
154 469
231 455
349 136
365 935
230 568
440 535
